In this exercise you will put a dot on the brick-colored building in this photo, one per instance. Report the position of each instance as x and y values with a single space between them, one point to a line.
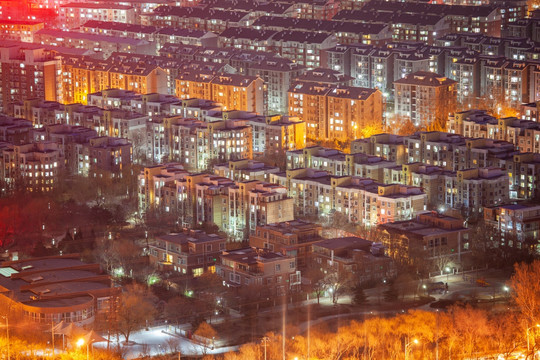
28 72
191 252
433 241
292 238
275 272
352 255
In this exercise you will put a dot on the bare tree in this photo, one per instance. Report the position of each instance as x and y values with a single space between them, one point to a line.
136 310
207 335
526 290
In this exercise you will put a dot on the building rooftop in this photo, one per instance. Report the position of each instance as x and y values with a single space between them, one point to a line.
52 281
190 236
251 256
103 5
345 243
425 78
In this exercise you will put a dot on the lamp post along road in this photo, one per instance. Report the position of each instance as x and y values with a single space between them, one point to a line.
407 345
265 341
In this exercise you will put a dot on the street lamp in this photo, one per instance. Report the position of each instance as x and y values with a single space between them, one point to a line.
447 269
528 329
265 340
80 343
415 341
5 317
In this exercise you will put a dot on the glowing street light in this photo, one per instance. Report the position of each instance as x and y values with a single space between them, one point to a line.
407 345
80 343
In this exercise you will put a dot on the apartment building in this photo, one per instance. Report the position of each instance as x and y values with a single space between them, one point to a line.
387 146
106 155
425 98
245 170
524 134
335 112
338 163
273 135
141 7
38 165
28 71
83 76
214 20
40 112
68 137
278 75
353 255
291 238
233 92
19 30
454 152
227 140
303 47
403 26
432 241
238 208
276 272
14 130
190 252
152 183
104 45
524 175
517 222
468 190
114 28
360 200
485 19
346 32
75 14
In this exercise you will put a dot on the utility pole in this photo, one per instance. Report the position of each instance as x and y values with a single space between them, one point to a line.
52 331
437 339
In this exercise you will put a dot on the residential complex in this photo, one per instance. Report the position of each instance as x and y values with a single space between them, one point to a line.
314 141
